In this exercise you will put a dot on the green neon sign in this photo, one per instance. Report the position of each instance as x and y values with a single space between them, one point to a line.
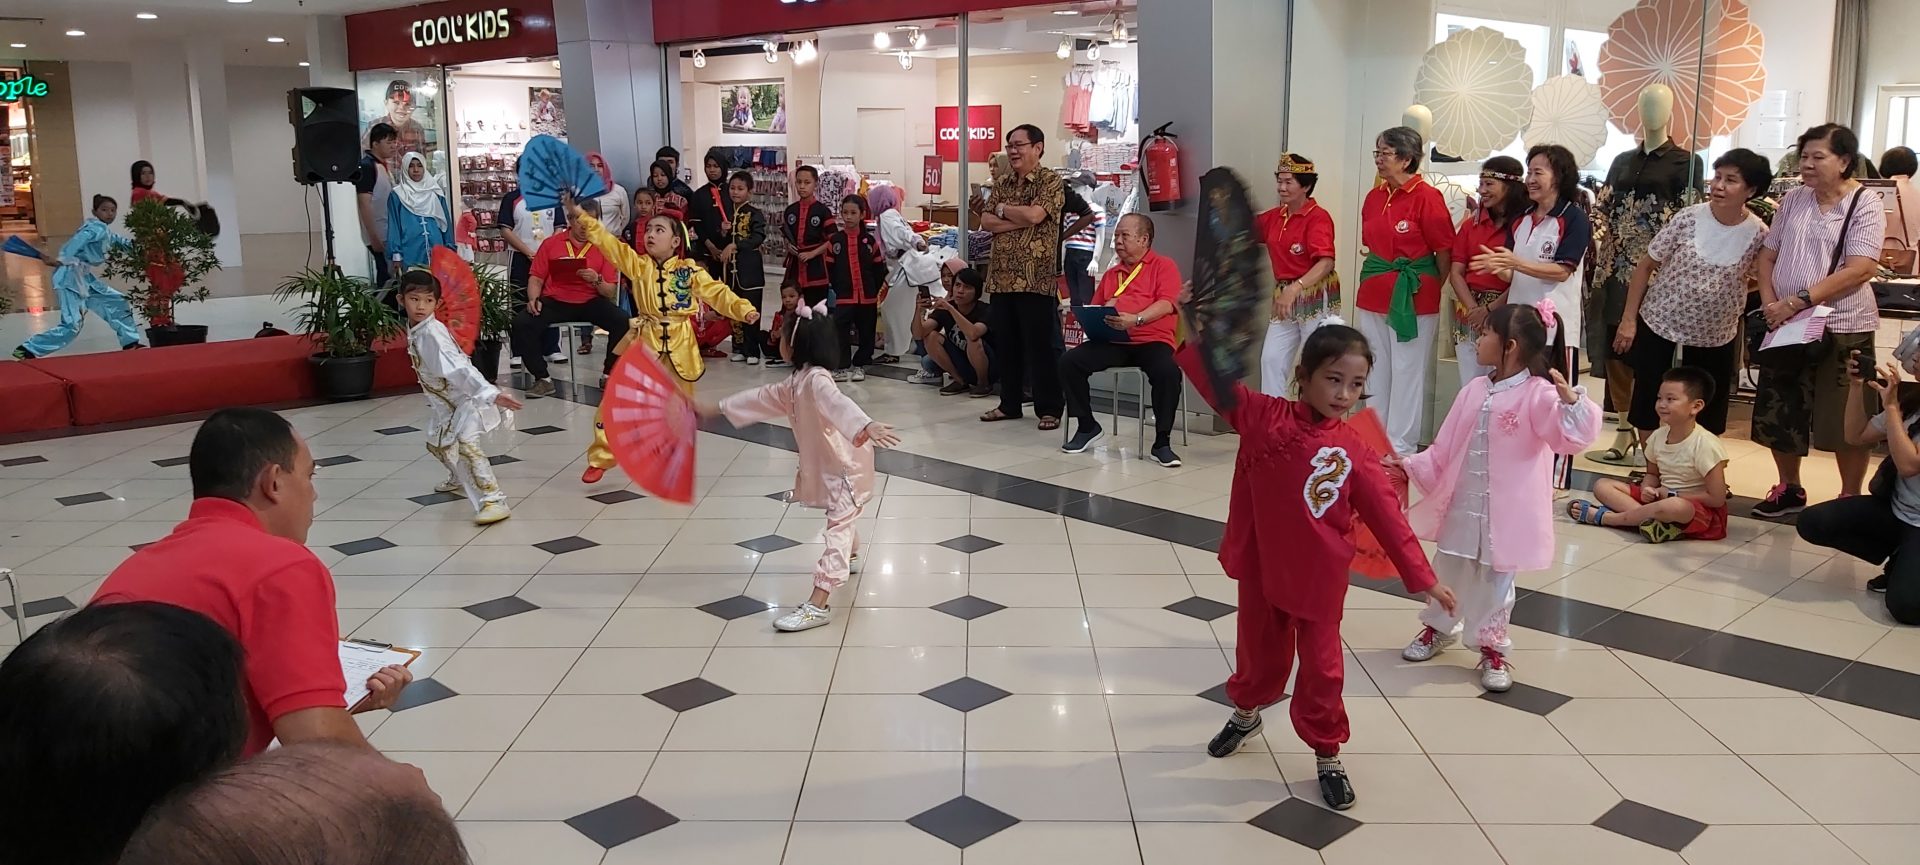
16 89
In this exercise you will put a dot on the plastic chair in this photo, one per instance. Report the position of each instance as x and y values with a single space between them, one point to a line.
568 346
1142 402
19 609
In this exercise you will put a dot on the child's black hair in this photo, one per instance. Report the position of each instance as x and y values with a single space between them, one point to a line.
1328 343
103 199
419 279
810 170
1697 382
815 342
859 202
1521 324
745 177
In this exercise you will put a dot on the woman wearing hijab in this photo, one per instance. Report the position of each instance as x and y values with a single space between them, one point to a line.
615 206
911 267
418 218
709 212
660 180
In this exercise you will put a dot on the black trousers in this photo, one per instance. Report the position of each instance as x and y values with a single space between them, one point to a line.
1865 528
519 270
749 339
529 329
1153 358
856 323
1025 330
1651 357
1079 282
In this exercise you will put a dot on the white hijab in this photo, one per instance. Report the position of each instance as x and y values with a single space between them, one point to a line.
421 197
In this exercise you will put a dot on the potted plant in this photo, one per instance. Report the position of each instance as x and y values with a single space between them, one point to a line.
164 265
497 304
346 318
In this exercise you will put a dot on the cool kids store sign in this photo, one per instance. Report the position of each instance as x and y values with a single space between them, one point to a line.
451 33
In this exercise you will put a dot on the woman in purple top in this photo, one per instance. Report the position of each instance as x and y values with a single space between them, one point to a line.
1822 249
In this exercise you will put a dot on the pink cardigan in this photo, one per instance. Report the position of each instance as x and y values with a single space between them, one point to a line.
828 427
1524 431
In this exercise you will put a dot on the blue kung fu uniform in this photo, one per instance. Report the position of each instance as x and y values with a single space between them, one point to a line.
79 290
412 237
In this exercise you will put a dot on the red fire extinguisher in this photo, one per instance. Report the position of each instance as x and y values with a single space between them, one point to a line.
1160 169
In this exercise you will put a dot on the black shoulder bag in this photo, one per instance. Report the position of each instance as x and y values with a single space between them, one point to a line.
1796 356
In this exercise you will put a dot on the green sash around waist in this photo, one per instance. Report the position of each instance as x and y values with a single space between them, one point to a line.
1406 284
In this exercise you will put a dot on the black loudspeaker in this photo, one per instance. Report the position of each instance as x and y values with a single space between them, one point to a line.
326 134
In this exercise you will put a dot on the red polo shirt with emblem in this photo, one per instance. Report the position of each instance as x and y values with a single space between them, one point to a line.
564 283
1131 289
1295 240
270 593
1479 231
1408 222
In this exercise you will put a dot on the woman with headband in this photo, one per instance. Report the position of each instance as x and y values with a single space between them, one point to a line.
1299 239
1503 195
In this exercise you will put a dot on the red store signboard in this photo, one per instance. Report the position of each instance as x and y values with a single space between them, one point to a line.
983 132
694 20
933 172
451 33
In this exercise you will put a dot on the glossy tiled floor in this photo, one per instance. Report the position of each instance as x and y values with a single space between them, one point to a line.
1023 672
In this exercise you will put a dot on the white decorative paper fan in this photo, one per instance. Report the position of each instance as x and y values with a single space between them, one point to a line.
1476 83
1568 111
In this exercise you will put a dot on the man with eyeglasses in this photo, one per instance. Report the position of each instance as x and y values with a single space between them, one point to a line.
1023 213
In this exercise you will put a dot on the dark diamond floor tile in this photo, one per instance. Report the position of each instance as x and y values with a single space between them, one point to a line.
968 607
738 606
781 496
1305 823
1218 694
1528 698
616 497
563 546
1109 511
1650 825
167 463
1647 635
965 694
1887 690
431 499
768 544
613 825
543 430
397 430
1559 615
84 499
364 545
340 460
1204 609
421 692
1764 662
963 821
500 608
969 544
688 695
42 607
502 460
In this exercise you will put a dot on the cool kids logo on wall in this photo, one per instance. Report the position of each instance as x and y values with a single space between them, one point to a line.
455 29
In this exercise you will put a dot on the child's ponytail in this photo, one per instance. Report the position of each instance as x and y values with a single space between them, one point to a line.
1526 328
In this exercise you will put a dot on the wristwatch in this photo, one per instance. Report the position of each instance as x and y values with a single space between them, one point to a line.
1000 210
1139 320
1805 298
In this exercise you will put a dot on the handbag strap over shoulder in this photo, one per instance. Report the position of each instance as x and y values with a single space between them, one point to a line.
1840 246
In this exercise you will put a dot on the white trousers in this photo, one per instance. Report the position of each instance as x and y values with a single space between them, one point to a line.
1398 383
1466 354
897 314
842 537
1281 354
1483 602
468 466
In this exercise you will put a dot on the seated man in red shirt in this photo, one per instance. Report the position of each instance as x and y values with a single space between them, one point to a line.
570 281
1143 288
241 560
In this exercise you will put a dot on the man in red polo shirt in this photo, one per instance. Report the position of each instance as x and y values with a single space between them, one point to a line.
1143 288
570 281
241 560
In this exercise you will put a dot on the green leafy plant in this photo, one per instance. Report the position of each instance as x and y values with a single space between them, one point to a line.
179 252
340 312
497 303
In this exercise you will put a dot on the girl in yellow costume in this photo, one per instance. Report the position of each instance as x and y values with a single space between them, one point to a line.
668 289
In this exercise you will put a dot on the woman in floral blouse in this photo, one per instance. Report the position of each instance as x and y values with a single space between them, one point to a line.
1687 292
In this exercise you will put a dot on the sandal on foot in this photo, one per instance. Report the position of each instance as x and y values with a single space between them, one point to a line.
1658 532
995 415
1586 512
1048 424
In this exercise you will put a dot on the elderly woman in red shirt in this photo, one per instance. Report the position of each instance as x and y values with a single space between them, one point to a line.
1407 235
1299 239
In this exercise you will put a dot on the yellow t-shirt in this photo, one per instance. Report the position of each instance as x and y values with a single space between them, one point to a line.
1684 466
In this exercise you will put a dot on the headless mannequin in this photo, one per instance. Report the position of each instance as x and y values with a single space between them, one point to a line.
1419 118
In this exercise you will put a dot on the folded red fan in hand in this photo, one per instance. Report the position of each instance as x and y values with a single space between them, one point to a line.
459 296
1369 558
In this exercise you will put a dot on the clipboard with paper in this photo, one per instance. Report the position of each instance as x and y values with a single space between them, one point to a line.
1804 328
360 659
1093 321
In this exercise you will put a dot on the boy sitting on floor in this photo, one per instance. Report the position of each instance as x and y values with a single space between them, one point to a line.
1684 492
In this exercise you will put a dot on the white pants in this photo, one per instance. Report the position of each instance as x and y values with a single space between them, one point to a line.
1483 601
1399 381
842 537
468 466
897 314
1281 354
1467 354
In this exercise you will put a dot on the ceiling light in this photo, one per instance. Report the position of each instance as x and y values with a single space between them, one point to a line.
1066 11
772 51
1120 35
804 52
304 63
1065 50
906 60
882 40
239 1
146 16
276 39
1093 51
699 59
19 44
76 32
917 38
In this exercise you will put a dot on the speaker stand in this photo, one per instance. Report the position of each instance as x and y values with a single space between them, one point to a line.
326 214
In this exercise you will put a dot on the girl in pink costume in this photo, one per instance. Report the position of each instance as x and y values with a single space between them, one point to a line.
836 441
1491 524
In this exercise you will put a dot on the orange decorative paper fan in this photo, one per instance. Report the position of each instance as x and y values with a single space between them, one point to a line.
459 297
1369 558
651 426
1660 42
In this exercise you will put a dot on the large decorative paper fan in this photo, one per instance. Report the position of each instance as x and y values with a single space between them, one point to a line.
1568 111
548 167
651 426
1476 83
1228 293
1659 42
459 297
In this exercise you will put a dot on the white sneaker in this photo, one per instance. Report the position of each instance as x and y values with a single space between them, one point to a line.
842 375
514 362
491 513
1495 674
753 361
738 358
448 486
804 617
557 357
924 377
859 374
1426 644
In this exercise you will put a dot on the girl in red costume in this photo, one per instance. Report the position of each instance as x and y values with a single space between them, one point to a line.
165 274
1301 481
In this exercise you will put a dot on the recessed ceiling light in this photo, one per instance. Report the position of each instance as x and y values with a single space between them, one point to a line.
19 44
1066 11
305 63
239 1
275 39
76 32
146 16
